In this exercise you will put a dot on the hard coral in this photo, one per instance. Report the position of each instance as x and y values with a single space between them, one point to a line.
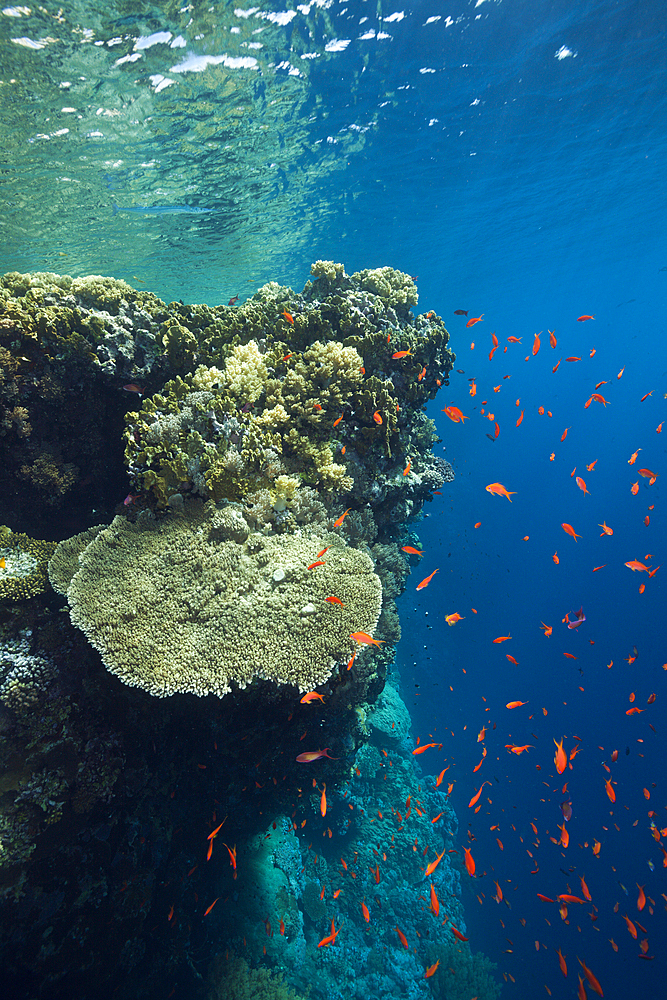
25 560
180 605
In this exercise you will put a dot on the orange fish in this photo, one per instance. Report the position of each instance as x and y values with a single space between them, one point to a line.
337 420
401 937
631 926
536 344
641 899
412 551
584 889
457 934
337 523
517 750
425 582
407 469
515 704
311 696
634 489
634 565
582 485
564 434
569 530
511 659
561 961
474 319
401 354
548 629
594 395
647 474
589 468
555 558
435 904
433 865
288 317
606 530
455 414
580 319
206 912
633 457
565 897
573 359
581 990
499 490
475 799
334 600
473 389
520 419
364 637
469 860
595 986
318 562
377 418
426 746
431 970
215 832
556 366
514 340
453 619
323 800
611 794
560 759
564 836
502 638
552 337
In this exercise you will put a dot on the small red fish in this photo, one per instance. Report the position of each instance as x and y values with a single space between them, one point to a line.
311 755
234 299
364 637
569 530
337 523
377 418
580 319
401 354
131 387
311 696
475 319
288 317
334 600
411 550
425 582
455 414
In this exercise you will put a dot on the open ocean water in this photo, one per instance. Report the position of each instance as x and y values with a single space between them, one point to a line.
511 156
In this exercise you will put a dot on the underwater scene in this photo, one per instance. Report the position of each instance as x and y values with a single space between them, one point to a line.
333 377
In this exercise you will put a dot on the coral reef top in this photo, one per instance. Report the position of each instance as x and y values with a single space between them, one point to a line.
282 429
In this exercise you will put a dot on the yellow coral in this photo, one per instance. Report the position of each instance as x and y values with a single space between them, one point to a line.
192 603
245 372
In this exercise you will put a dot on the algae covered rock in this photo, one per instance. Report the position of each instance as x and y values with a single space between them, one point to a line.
181 605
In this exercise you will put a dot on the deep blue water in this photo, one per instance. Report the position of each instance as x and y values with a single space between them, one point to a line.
530 189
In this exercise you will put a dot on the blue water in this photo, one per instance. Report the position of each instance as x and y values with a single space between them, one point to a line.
511 155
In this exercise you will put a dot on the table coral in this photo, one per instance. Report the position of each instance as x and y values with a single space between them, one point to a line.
178 605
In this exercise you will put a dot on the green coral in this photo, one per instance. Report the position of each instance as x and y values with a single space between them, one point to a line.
25 560
198 603
233 979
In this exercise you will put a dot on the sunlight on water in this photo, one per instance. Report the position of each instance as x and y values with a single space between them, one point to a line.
206 118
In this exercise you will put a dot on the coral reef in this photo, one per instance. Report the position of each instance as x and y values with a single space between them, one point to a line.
289 432
196 602
23 564
233 979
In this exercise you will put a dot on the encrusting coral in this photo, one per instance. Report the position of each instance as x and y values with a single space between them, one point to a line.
197 603
23 563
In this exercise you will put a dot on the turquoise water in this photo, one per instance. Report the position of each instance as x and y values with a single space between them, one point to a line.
511 157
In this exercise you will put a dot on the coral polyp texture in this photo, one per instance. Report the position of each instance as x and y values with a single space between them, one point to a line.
325 387
23 563
196 602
